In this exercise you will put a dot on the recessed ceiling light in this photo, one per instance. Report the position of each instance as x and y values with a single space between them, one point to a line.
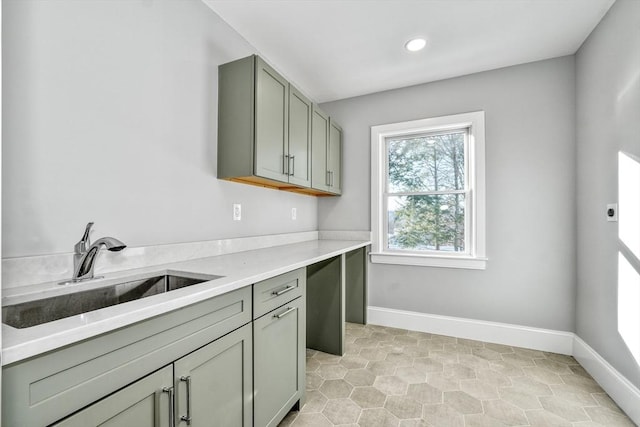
415 45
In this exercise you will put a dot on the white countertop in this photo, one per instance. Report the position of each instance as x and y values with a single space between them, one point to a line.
239 270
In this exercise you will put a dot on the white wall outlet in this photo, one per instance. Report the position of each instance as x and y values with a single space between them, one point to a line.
612 212
237 211
294 213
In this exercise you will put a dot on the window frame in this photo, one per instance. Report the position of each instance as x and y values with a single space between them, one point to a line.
475 255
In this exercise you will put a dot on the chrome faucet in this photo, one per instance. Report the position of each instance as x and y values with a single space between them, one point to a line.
84 258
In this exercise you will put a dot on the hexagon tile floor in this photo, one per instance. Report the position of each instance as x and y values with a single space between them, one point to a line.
395 377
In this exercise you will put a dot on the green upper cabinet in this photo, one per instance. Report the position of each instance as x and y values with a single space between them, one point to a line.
334 158
319 144
299 160
264 127
326 148
272 123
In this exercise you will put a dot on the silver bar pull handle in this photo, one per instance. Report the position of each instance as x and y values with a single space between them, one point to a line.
327 180
187 418
284 313
283 291
292 169
285 164
169 390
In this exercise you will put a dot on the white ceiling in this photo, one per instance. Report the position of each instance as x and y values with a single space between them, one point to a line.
335 49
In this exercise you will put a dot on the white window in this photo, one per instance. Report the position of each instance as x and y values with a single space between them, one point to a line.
427 192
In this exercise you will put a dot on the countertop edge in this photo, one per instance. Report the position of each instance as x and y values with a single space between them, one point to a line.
21 344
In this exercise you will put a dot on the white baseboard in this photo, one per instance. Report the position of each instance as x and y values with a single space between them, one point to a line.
621 390
625 394
500 333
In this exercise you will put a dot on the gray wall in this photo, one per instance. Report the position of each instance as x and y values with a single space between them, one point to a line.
608 120
530 169
110 115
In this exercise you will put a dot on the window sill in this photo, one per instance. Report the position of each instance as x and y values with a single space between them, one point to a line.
472 263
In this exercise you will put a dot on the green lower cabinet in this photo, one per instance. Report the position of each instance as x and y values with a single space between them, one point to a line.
210 387
142 404
213 385
51 387
279 362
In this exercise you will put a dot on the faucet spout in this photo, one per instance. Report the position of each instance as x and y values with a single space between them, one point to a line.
112 244
86 254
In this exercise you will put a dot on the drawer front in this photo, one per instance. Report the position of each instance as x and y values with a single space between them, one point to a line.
274 292
47 388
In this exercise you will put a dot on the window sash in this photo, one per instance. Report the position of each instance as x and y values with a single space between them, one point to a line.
465 130
468 234
467 191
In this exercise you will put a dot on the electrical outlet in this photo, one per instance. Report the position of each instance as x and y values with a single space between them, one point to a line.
612 212
237 211
294 213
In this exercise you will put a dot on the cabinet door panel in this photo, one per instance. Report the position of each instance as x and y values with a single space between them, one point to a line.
220 377
279 346
319 141
271 128
335 158
299 138
142 404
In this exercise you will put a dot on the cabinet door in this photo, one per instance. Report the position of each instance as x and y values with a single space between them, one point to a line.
334 158
299 138
279 362
319 144
214 384
271 122
142 404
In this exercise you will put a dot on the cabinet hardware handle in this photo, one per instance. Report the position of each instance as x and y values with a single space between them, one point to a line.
187 418
169 390
283 291
292 159
326 181
285 164
289 310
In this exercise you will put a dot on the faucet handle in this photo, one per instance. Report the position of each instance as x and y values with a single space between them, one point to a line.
83 245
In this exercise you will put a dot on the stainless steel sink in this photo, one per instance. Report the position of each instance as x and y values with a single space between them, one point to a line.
32 313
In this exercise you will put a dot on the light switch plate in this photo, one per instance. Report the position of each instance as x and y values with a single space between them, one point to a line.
237 211
294 213
612 212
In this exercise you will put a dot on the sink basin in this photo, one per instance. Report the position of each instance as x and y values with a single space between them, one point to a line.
32 313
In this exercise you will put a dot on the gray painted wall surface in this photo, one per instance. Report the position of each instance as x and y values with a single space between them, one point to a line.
608 121
530 172
110 115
